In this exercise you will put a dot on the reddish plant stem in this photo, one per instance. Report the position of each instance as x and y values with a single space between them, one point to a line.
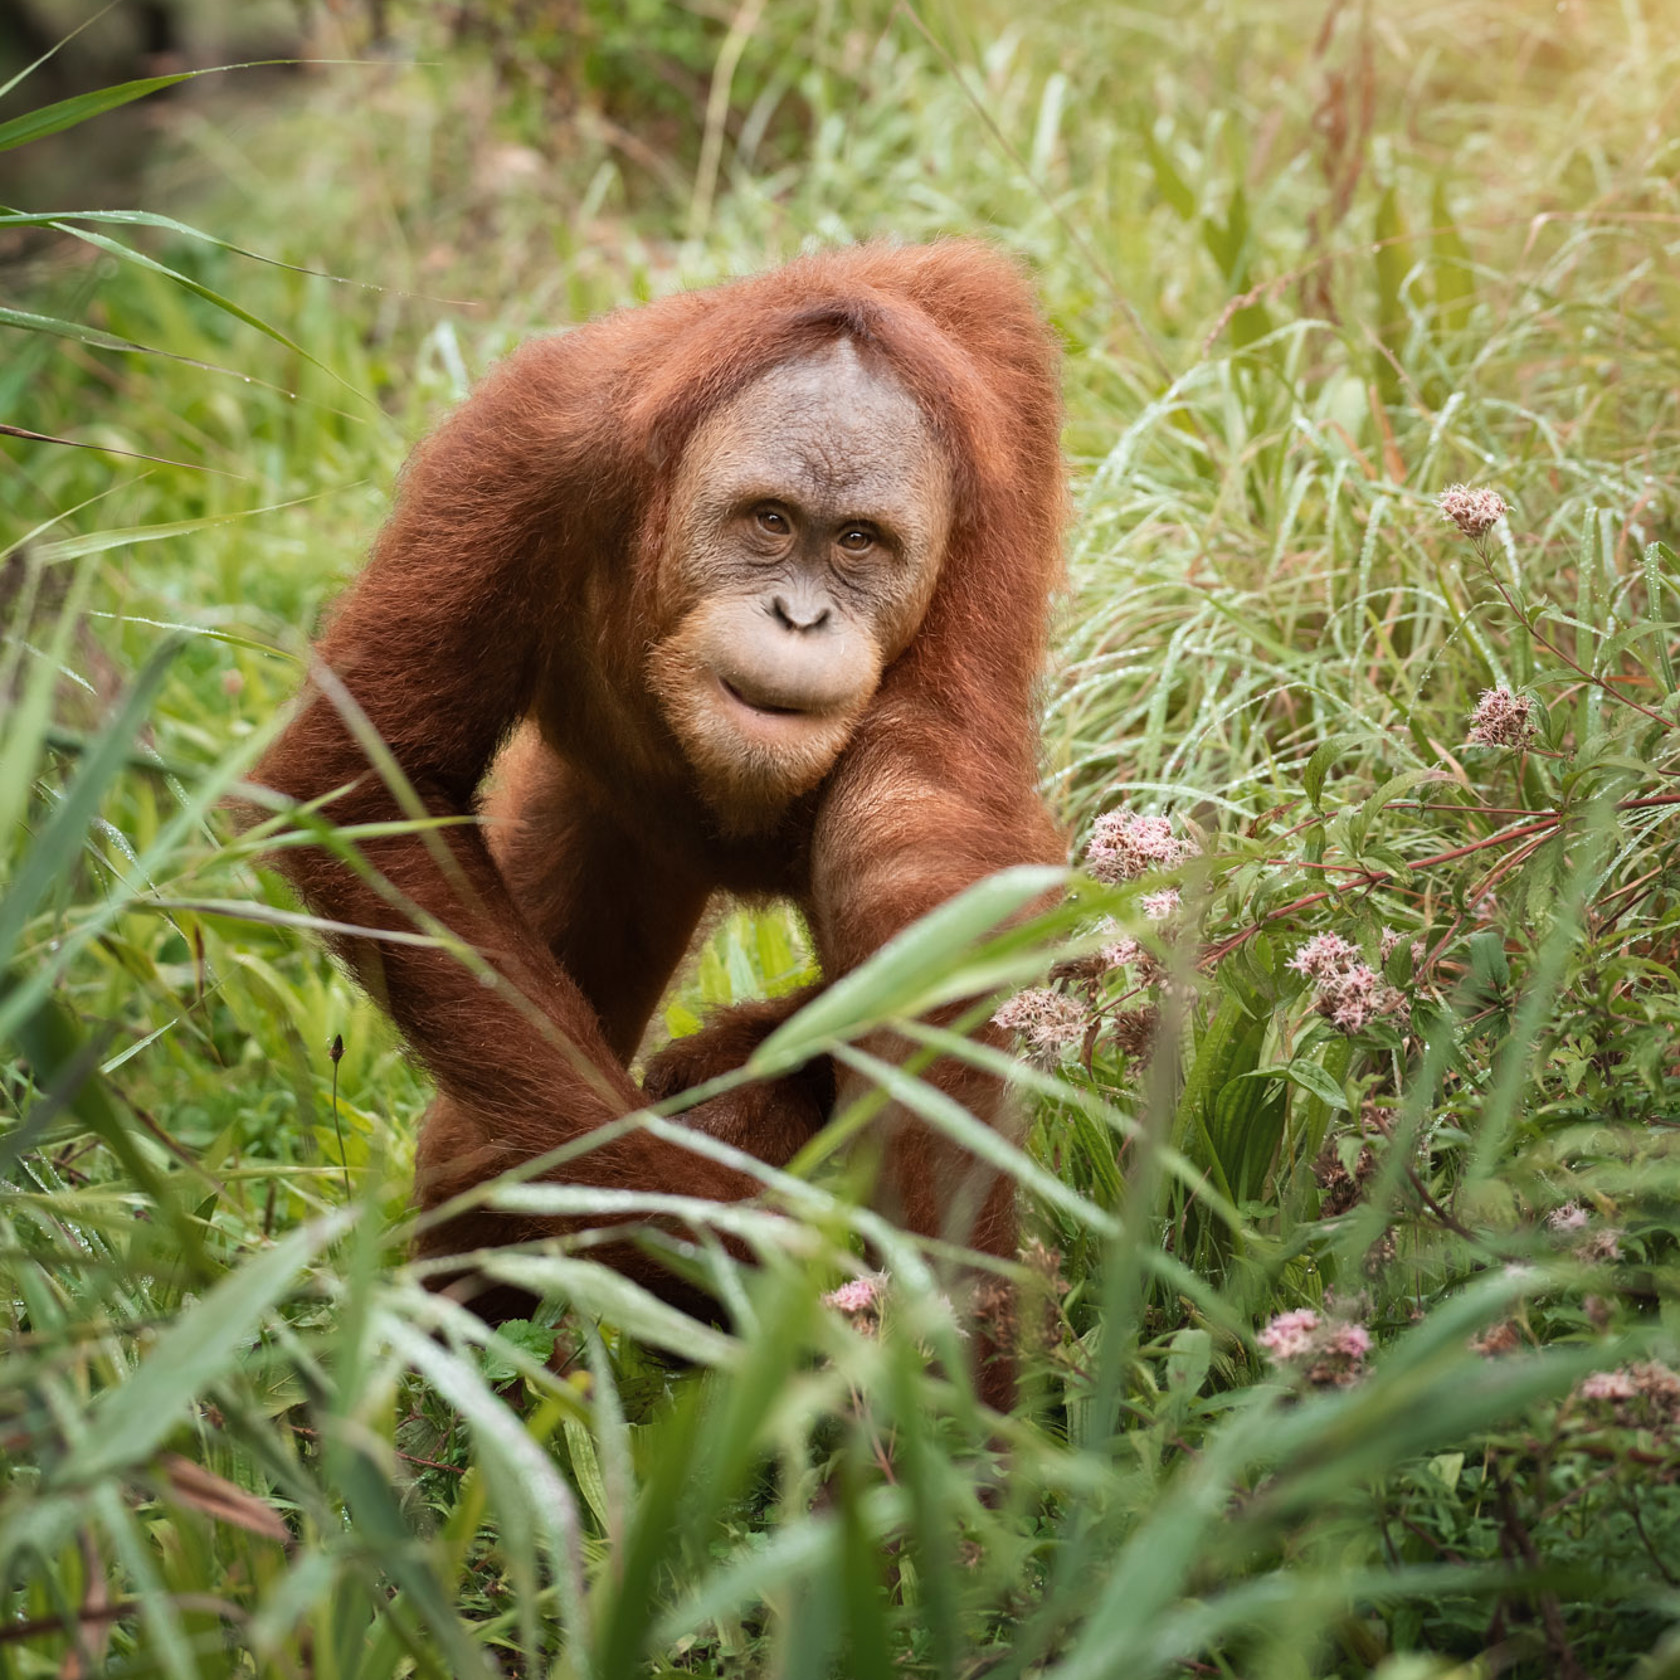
1465 810
1371 878
1548 822
1510 834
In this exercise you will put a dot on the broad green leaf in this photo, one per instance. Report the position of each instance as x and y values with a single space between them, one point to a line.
1315 1081
1455 281
1324 755
1396 787
1393 259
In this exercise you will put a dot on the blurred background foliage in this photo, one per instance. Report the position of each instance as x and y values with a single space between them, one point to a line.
1312 263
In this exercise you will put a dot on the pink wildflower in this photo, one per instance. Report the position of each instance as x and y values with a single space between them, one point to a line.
1474 512
1356 998
1349 993
1502 719
1607 1385
1353 1341
1158 906
1330 1351
1124 846
1570 1217
1290 1335
1642 1396
1324 955
861 1295
1657 1382
1126 952
1601 1245
1120 952
1046 1021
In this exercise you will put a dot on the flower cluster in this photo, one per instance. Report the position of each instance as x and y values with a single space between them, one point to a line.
1474 512
1324 957
1498 1339
1349 993
1047 1022
1290 1336
1124 846
1571 1221
1503 719
1160 906
1122 952
1644 1396
860 1300
1339 1189
1028 1316
1133 1030
1125 952
1331 1351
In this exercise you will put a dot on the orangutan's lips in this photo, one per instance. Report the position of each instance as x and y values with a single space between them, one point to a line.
757 705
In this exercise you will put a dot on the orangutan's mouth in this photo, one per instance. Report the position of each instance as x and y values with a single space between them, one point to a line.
759 706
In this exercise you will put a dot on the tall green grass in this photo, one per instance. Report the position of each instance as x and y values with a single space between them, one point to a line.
1310 268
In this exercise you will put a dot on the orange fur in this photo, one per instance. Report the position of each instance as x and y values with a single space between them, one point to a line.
518 578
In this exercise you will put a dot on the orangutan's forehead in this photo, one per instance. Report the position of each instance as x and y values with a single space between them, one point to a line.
830 429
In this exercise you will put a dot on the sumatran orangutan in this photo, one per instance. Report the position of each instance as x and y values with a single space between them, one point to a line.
751 585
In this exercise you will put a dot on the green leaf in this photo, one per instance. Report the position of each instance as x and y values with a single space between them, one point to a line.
1490 970
1318 766
906 969
1168 182
1360 826
67 113
1658 555
168 224
131 1421
1393 260
1189 1356
59 844
1455 281
1315 1081
537 1340
128 254
586 1471
949 1116
592 1288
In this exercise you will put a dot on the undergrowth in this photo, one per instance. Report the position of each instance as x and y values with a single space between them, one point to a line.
1349 1307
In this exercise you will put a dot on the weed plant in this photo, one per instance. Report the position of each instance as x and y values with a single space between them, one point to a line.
1349 1310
